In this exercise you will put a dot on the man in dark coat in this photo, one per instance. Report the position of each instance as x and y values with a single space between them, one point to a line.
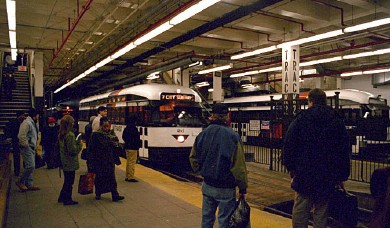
11 131
102 155
49 140
317 155
131 137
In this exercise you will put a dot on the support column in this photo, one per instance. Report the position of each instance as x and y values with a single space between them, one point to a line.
217 87
319 82
185 78
38 77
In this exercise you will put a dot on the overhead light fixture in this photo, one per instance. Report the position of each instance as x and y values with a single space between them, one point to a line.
256 52
210 90
191 11
98 33
215 69
82 49
346 74
154 75
368 25
270 69
88 42
318 61
197 63
12 39
11 14
244 74
201 84
155 32
318 37
14 54
376 71
125 4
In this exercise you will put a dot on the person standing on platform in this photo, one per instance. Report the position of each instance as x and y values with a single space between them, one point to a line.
49 140
102 111
131 137
102 154
9 85
69 151
380 190
12 131
88 130
317 154
218 154
28 138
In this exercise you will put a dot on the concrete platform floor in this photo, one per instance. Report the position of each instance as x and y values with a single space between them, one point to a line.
156 201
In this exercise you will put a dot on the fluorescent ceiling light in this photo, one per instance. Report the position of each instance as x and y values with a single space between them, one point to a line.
103 62
98 33
153 75
90 70
191 11
155 32
197 63
89 42
14 54
368 25
125 4
123 50
311 38
328 60
210 90
271 69
109 21
244 74
358 55
376 71
381 51
346 74
308 71
201 84
11 14
12 38
215 69
256 52
82 49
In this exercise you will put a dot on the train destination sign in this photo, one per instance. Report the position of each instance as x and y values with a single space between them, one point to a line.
175 97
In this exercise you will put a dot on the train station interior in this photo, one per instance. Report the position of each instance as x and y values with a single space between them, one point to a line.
167 59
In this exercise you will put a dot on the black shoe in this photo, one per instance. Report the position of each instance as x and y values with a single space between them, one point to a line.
98 197
71 202
117 198
131 180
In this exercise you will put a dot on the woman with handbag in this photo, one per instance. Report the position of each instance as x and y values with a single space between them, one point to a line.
102 149
69 150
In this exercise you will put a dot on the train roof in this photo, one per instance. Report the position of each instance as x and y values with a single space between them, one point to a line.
149 91
354 95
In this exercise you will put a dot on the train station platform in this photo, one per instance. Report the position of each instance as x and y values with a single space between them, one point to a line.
157 200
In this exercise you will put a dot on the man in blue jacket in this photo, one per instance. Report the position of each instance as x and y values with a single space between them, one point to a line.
218 155
317 155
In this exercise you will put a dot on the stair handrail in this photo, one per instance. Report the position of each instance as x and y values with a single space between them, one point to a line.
32 90
1 72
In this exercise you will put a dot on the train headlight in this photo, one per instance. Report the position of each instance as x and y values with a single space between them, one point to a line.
180 138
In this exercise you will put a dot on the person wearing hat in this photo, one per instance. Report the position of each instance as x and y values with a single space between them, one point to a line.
11 131
49 140
218 155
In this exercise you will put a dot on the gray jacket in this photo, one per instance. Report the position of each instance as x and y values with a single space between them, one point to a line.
28 134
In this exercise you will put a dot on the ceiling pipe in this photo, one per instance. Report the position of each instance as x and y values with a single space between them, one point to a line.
85 8
282 18
250 30
227 40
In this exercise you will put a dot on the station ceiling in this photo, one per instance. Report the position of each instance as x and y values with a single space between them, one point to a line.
76 34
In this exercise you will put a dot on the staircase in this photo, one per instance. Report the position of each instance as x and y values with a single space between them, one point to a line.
20 100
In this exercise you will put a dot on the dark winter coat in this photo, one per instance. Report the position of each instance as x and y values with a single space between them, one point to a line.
131 137
317 151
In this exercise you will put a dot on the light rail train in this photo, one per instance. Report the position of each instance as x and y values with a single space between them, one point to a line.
169 118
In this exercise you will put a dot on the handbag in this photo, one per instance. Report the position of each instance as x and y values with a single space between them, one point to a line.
343 207
86 183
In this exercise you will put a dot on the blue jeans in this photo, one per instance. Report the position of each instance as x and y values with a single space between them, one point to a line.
222 198
28 155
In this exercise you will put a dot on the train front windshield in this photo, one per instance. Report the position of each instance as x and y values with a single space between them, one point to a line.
180 115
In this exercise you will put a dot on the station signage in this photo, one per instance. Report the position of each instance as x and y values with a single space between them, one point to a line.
177 97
